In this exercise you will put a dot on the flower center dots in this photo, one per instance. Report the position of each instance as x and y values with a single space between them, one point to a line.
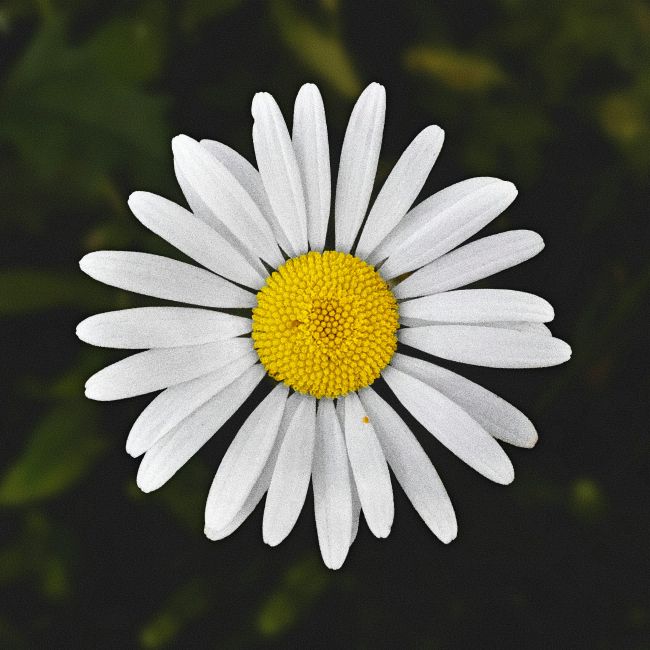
325 324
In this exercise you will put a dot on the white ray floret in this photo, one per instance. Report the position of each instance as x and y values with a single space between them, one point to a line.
160 327
277 163
162 277
401 188
477 306
168 454
494 414
226 199
332 487
194 238
309 139
412 467
245 460
177 402
291 473
369 468
494 347
323 421
154 369
440 223
450 424
358 165
471 262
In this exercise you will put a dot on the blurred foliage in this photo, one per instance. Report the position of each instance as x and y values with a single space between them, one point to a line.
457 70
554 96
304 581
61 450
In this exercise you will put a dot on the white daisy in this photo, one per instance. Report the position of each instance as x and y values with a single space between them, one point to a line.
325 324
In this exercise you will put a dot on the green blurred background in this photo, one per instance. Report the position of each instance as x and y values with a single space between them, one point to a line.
554 96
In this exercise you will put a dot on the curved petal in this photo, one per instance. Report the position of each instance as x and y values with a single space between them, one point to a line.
245 460
310 143
278 167
476 306
369 468
152 370
245 174
519 326
225 198
499 418
178 402
179 444
358 166
401 188
263 482
451 425
471 262
494 347
332 487
250 179
162 277
412 467
160 327
291 473
441 222
193 237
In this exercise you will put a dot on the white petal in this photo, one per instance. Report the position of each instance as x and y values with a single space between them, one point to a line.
162 277
245 460
356 511
332 487
493 347
358 166
476 306
277 163
520 326
412 467
471 262
499 418
227 200
152 370
195 238
247 176
401 188
160 327
185 438
440 223
176 403
312 153
451 425
205 214
369 468
263 482
250 179
291 474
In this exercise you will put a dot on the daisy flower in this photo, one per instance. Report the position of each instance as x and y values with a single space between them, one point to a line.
324 308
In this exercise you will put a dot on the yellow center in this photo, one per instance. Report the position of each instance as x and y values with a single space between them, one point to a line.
325 324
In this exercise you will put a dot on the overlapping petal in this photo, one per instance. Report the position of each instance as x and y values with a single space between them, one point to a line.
358 165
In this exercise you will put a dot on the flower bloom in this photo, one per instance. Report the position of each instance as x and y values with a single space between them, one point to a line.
321 307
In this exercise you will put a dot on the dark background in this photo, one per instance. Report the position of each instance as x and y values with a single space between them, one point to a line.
554 96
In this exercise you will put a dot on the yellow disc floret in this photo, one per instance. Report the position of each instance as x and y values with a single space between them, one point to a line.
325 324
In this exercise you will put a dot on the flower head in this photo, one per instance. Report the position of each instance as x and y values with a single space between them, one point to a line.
325 316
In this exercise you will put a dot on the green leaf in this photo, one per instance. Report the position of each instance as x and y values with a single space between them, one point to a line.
196 13
458 70
62 450
186 605
303 583
320 51
77 114
29 290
